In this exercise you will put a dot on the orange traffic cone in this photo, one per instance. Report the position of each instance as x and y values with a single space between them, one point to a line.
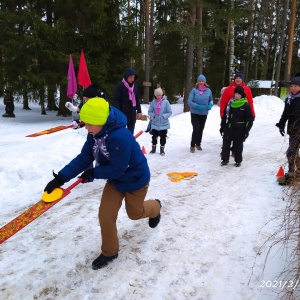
144 150
280 172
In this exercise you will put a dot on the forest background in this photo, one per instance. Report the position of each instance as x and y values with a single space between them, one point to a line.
167 41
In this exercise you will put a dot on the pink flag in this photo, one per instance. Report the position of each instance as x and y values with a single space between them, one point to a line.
83 74
72 85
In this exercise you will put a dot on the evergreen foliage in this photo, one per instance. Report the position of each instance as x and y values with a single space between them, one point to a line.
37 38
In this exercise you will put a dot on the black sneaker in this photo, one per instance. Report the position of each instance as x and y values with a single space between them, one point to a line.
224 162
237 164
102 261
153 222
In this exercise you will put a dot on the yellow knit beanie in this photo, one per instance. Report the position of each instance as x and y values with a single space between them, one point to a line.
95 111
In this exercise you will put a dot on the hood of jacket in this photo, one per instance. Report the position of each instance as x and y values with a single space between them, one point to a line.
129 72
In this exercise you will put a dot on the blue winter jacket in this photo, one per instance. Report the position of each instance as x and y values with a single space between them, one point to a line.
118 157
161 121
203 100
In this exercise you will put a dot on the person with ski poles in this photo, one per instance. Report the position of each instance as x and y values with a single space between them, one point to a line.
119 160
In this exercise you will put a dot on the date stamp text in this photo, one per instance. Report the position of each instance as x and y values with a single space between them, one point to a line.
280 284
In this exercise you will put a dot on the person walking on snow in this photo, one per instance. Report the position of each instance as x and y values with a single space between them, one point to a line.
291 115
200 102
126 98
119 160
228 94
159 113
236 123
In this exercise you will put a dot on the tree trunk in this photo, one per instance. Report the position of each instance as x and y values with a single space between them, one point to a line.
267 57
249 40
147 48
189 57
282 39
291 28
231 51
225 53
200 42
42 100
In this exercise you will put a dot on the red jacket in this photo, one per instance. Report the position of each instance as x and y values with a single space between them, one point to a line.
229 94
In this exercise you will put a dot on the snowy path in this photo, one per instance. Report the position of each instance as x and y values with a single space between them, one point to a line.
204 247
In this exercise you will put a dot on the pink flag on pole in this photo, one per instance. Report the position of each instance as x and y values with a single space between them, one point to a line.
72 85
83 74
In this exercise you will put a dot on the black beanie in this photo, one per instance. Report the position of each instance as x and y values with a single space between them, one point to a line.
295 81
92 91
240 90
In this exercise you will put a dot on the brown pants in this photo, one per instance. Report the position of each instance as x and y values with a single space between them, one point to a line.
110 205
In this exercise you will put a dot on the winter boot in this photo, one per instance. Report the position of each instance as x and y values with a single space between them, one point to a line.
192 149
153 149
153 222
224 162
199 148
162 150
102 261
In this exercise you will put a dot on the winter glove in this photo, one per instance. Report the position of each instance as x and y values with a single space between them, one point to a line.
75 125
246 135
71 107
149 127
54 183
78 124
221 132
200 107
281 130
87 176
210 105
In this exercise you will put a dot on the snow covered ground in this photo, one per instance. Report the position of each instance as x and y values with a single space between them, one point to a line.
211 229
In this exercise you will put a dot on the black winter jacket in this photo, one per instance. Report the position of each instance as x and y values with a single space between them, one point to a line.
121 97
291 113
237 119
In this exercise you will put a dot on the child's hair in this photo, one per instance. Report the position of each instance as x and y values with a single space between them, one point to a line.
205 84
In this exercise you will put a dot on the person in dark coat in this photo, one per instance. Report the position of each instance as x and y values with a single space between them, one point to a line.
228 93
9 106
118 159
291 115
126 98
236 123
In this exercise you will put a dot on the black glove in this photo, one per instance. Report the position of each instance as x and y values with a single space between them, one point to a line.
281 130
221 132
54 183
87 176
246 135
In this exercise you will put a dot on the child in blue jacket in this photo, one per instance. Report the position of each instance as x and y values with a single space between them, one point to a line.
118 159
159 113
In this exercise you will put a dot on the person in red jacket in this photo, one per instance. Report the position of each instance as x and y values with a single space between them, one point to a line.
229 93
